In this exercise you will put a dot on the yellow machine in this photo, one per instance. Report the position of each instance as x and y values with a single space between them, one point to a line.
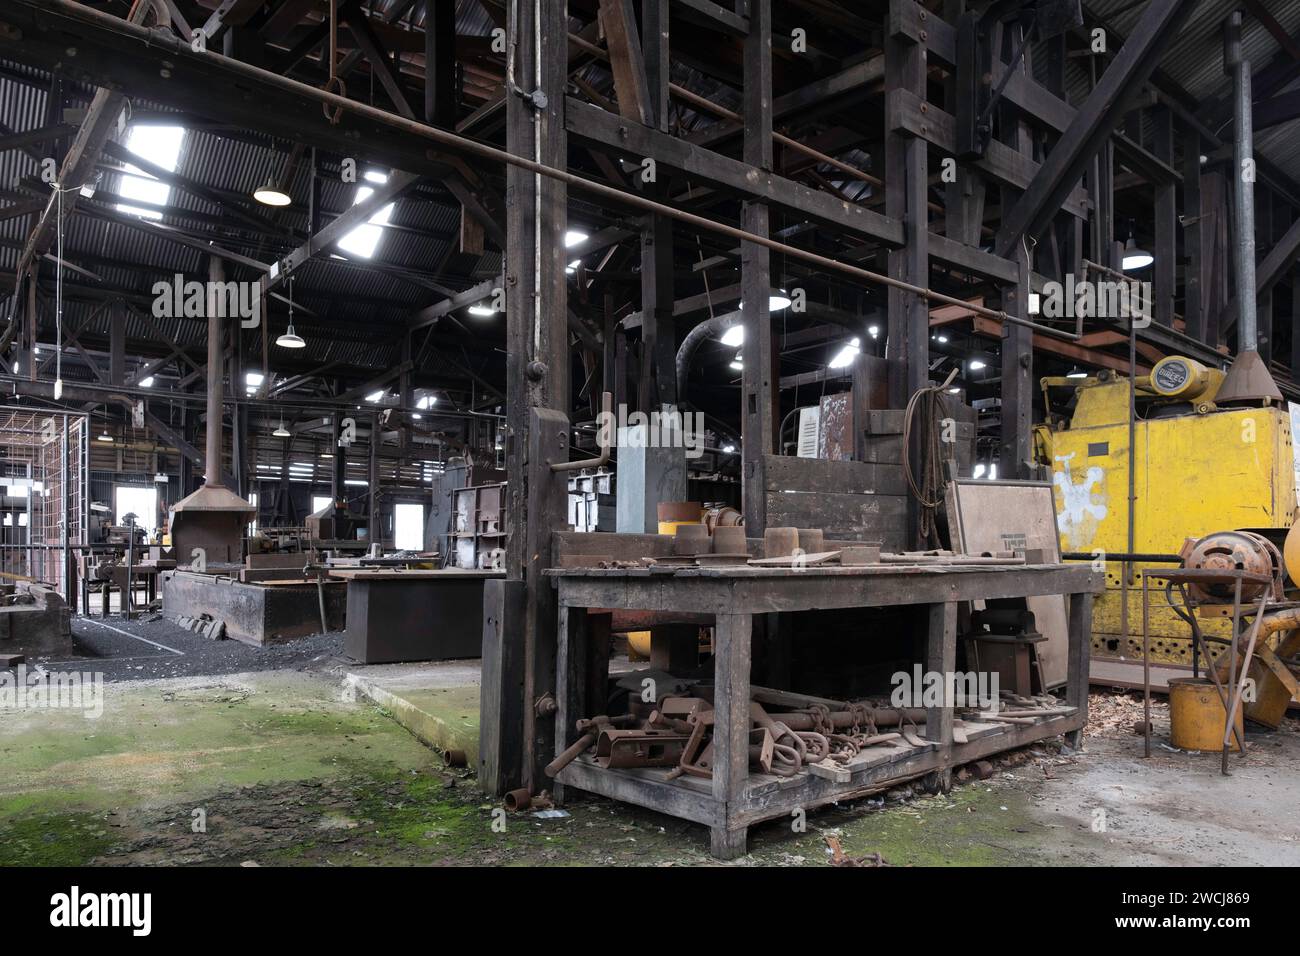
1199 468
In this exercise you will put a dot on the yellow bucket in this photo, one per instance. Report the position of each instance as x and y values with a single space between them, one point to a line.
638 643
670 514
1197 715
670 527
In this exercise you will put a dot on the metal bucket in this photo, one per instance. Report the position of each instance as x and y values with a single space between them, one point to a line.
1197 715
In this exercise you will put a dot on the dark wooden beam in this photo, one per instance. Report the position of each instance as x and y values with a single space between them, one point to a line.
708 14
626 61
601 129
1101 112
440 95
35 137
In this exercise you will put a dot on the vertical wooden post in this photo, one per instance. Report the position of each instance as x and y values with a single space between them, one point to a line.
1017 445
758 417
731 657
1018 386
538 389
1166 223
375 529
571 703
906 184
1295 328
116 343
1265 224
440 63
941 659
658 384
1193 293
1079 650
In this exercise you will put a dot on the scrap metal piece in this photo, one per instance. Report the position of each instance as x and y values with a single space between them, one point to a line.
621 749
1233 551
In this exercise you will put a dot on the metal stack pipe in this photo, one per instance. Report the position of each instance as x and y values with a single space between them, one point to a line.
1248 379
208 526
1243 186
212 448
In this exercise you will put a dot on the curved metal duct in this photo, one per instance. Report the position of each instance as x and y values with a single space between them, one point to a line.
708 329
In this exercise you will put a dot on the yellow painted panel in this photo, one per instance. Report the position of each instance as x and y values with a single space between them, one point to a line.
1194 474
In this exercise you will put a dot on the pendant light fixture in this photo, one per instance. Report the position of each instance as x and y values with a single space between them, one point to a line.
290 339
270 193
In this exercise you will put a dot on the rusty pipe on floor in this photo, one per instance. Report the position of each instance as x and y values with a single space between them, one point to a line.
517 801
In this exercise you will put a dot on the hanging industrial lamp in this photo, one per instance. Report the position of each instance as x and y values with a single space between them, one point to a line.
270 194
290 339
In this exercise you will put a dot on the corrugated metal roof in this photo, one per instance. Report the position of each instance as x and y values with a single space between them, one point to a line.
1194 60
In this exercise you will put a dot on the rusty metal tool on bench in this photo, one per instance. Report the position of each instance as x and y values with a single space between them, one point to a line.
589 731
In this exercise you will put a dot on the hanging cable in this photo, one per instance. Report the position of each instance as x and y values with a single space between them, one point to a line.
930 404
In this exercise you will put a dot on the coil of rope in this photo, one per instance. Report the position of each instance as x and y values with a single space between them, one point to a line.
929 403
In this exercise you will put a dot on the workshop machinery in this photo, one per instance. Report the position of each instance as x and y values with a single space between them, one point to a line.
1199 466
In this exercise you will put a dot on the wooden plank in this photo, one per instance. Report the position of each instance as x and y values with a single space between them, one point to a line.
767 803
785 472
620 547
986 516
760 590
408 574
864 517
642 789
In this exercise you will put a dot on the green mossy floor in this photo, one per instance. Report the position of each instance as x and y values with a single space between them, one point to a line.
291 768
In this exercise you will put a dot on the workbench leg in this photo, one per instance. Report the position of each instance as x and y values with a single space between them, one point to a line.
731 657
106 591
1080 648
941 659
570 682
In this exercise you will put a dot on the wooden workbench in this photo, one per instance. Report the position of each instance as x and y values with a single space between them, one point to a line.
735 798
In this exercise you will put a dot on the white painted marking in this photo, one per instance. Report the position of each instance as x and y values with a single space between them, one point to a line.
137 637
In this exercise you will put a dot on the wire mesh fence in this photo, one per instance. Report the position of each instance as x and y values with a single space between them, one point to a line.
43 470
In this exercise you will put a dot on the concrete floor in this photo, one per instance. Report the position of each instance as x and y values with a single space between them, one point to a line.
299 766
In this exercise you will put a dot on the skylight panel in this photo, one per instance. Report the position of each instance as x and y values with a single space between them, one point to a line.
161 146
364 239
